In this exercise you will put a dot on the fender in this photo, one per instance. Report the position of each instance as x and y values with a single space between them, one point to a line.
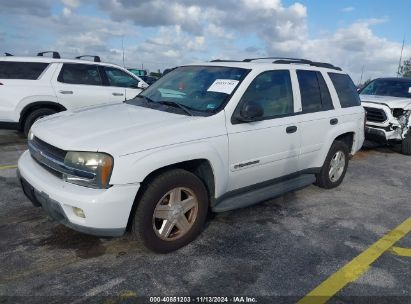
350 126
139 165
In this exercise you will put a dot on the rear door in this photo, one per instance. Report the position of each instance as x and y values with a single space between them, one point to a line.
79 85
17 81
263 150
123 86
317 117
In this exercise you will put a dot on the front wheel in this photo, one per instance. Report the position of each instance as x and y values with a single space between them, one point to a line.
335 166
171 212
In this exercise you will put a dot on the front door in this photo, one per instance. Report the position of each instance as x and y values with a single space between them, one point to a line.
122 85
269 148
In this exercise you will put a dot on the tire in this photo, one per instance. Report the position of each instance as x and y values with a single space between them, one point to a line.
327 180
406 145
158 200
34 116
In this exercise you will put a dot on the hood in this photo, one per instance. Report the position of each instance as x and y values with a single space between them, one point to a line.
392 102
122 129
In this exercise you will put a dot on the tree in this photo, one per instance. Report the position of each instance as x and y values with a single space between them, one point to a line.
405 69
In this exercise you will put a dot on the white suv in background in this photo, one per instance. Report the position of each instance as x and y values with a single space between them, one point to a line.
34 87
387 102
212 136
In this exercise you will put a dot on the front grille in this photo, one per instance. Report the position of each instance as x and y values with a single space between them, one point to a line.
48 149
375 114
47 156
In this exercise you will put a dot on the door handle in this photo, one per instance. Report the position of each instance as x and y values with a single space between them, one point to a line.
65 92
334 121
291 129
118 94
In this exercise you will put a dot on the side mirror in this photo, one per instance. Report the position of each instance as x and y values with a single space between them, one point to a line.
142 85
251 111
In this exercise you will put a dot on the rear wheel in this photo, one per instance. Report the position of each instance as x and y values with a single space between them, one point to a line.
34 116
406 145
171 212
335 166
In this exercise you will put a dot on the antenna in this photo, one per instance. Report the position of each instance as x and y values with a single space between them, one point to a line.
399 63
362 73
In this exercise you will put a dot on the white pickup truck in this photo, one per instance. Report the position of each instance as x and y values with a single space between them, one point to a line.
205 137
387 102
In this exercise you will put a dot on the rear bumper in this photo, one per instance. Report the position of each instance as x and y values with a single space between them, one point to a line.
106 210
9 125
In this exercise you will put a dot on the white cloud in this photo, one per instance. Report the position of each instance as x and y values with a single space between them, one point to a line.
348 9
66 11
71 3
162 33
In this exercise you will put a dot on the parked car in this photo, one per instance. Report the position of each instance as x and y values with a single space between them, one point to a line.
388 105
149 79
215 136
34 87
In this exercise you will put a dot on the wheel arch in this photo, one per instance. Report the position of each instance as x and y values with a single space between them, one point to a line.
38 105
201 167
347 138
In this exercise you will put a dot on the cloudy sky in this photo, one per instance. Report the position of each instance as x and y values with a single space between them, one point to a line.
163 33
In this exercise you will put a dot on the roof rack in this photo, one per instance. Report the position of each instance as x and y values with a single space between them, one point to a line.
285 60
223 60
56 55
277 58
8 54
95 58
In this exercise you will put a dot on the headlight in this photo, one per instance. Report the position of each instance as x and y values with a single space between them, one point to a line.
90 169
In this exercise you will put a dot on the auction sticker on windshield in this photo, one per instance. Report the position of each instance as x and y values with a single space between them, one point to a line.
223 86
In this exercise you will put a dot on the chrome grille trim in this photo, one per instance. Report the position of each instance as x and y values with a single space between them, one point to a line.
46 159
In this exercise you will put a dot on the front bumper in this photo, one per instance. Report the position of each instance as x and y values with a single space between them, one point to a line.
381 135
106 210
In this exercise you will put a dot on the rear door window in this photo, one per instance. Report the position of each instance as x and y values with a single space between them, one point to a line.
310 91
73 73
346 90
315 95
21 70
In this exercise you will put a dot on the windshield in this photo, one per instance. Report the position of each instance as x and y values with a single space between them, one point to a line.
388 87
203 89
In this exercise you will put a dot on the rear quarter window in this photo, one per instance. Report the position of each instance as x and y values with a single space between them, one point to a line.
76 73
346 90
21 70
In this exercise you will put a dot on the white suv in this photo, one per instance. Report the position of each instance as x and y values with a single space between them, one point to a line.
387 102
213 136
34 87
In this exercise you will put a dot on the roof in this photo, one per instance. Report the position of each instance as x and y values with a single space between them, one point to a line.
399 79
51 60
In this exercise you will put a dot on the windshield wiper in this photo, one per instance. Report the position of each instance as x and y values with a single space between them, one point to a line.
146 99
176 105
